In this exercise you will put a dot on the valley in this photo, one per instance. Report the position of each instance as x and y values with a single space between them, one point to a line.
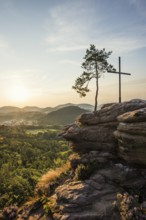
32 115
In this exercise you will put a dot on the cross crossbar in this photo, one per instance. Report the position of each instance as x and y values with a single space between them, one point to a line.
118 73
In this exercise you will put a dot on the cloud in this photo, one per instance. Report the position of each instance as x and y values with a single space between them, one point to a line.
70 48
68 26
72 26
123 43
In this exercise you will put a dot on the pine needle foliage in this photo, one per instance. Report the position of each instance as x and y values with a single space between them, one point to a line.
94 66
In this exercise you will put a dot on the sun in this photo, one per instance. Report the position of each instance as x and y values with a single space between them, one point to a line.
19 93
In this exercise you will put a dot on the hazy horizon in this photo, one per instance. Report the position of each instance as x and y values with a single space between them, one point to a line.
42 45
45 106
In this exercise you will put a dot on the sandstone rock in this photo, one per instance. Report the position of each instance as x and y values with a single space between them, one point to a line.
132 147
131 135
110 113
134 116
93 157
116 130
84 146
93 198
138 128
85 200
95 130
124 177
95 140
107 105
86 138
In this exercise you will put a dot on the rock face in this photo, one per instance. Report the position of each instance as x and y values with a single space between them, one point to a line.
109 144
115 132
94 131
85 200
93 197
86 138
131 135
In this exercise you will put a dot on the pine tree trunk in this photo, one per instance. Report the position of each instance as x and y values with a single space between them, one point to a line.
96 95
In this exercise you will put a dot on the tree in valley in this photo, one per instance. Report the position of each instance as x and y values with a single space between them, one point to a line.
95 65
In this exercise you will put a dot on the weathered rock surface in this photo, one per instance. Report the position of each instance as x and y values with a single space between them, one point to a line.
85 138
94 131
110 143
98 131
94 197
83 200
110 113
133 116
131 135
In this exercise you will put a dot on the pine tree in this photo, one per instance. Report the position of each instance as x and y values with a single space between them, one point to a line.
95 65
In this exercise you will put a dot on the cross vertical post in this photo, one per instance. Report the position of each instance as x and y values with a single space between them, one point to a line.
119 73
119 79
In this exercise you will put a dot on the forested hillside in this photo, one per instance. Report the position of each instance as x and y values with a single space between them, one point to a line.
62 116
25 154
32 115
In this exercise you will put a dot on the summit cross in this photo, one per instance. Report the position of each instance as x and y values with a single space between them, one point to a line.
119 77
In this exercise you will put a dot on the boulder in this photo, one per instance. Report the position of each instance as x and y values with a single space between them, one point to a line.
133 116
89 138
138 128
111 112
93 198
131 135
94 131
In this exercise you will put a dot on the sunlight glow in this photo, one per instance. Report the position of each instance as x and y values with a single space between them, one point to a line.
19 94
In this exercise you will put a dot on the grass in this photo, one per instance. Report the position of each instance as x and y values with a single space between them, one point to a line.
51 178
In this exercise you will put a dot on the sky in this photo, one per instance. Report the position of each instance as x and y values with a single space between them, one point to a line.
43 42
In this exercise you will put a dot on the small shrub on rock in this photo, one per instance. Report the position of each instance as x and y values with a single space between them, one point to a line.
75 160
84 171
129 207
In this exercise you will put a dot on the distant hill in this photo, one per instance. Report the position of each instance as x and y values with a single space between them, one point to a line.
37 109
82 105
63 105
86 106
63 116
47 109
32 109
6 109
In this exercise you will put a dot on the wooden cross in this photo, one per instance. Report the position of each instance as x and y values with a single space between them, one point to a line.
119 77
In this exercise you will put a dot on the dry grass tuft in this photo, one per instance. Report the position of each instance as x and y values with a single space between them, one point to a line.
51 177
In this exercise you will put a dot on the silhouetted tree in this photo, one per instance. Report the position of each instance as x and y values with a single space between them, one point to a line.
95 65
